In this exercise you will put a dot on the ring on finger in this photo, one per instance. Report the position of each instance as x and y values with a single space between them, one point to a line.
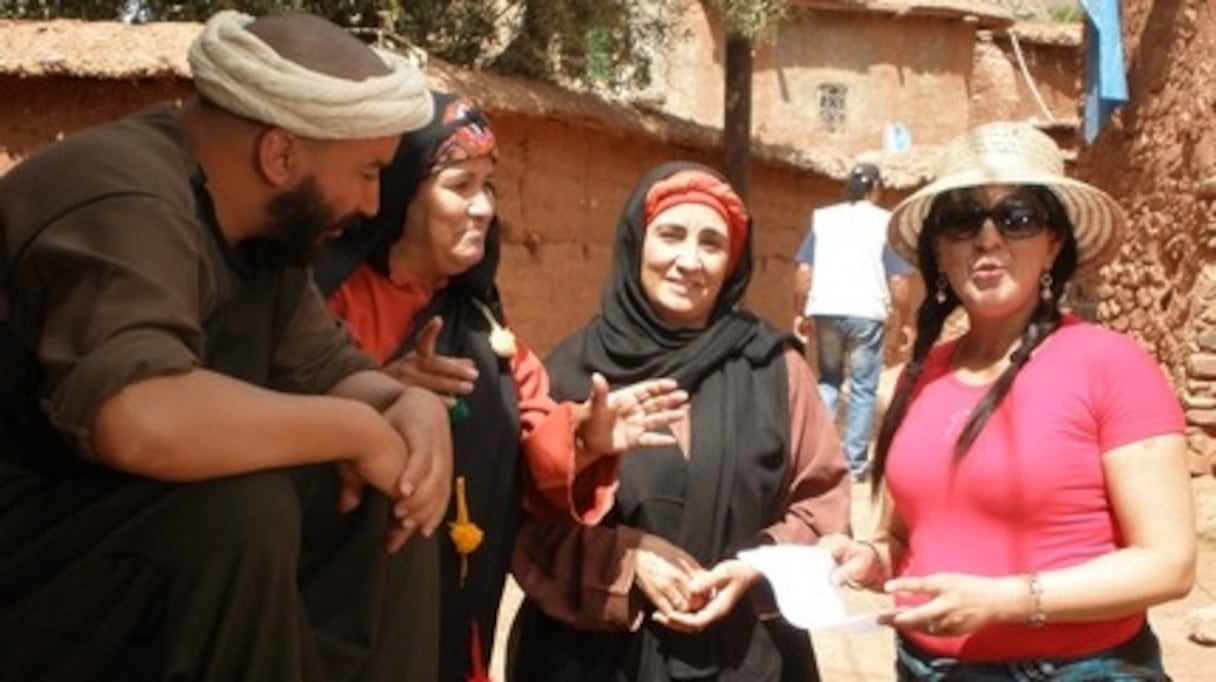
933 628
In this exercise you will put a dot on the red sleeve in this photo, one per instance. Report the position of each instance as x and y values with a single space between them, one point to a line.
819 495
563 484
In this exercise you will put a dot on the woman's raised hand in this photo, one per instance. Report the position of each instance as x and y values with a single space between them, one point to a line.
448 376
629 417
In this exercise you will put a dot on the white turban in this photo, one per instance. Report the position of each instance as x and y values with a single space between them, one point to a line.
233 68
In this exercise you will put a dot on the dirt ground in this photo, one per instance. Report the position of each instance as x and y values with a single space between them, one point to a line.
867 657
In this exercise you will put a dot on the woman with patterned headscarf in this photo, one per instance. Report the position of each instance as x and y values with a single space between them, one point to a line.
655 592
416 288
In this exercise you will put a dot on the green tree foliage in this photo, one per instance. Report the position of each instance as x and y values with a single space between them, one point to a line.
1067 13
609 42
582 41
752 19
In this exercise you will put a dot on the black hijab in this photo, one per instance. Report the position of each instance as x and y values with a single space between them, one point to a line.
730 486
485 445
628 342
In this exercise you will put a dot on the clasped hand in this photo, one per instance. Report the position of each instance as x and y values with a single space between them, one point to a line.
408 458
685 596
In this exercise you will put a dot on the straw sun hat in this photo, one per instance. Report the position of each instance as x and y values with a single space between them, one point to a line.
1011 154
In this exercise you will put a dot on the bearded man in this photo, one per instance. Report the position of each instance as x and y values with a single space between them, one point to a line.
201 478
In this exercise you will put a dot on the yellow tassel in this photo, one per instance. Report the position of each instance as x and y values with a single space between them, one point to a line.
465 534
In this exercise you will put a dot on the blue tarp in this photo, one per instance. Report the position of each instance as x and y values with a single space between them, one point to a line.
1105 79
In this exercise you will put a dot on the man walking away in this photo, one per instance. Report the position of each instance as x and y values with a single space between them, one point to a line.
846 282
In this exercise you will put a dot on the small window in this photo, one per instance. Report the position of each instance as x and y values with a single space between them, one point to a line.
833 99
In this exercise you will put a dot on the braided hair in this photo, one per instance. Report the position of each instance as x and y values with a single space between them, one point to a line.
932 315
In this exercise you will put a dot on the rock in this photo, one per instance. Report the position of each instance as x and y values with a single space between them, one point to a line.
1201 417
1202 365
1124 298
1206 188
1206 340
1202 625
1200 461
1200 402
1145 298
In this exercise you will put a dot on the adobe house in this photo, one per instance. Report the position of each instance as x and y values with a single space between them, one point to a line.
567 160
838 74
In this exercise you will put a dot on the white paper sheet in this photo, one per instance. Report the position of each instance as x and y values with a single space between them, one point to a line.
800 576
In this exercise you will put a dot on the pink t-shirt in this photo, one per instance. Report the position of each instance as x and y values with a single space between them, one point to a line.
1030 494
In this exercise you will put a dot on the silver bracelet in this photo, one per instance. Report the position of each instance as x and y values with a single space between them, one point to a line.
1037 617
882 566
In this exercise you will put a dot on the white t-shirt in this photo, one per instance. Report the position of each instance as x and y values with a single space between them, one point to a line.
847 247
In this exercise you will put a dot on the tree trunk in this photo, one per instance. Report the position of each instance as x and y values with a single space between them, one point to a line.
737 124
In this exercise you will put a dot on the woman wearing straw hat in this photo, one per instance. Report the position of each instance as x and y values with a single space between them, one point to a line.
1036 496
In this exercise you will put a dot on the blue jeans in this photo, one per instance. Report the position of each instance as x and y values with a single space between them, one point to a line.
1136 659
859 340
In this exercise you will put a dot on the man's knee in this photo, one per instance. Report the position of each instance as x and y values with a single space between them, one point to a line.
241 519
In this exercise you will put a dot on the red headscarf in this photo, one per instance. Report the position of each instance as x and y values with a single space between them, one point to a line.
699 187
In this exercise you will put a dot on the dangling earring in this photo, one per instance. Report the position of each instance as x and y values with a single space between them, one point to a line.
1045 281
941 285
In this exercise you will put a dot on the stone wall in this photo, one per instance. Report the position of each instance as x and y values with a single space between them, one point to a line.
1158 157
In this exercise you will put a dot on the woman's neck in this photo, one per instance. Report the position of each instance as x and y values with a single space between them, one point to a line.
407 261
978 351
983 352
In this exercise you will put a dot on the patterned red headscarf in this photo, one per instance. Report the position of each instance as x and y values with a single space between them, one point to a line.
468 136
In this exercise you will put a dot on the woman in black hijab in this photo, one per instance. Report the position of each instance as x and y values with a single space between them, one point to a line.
416 287
655 593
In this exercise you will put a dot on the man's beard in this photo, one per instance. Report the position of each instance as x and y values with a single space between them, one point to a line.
296 221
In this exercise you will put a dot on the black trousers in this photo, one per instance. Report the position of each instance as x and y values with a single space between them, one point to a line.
109 577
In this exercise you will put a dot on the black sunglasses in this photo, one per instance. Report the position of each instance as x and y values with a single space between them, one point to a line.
1014 217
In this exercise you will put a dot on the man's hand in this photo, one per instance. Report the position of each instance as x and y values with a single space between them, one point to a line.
402 447
379 464
424 485
626 418
447 376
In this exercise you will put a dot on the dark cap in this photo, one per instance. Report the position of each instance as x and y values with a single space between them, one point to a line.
863 179
868 172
